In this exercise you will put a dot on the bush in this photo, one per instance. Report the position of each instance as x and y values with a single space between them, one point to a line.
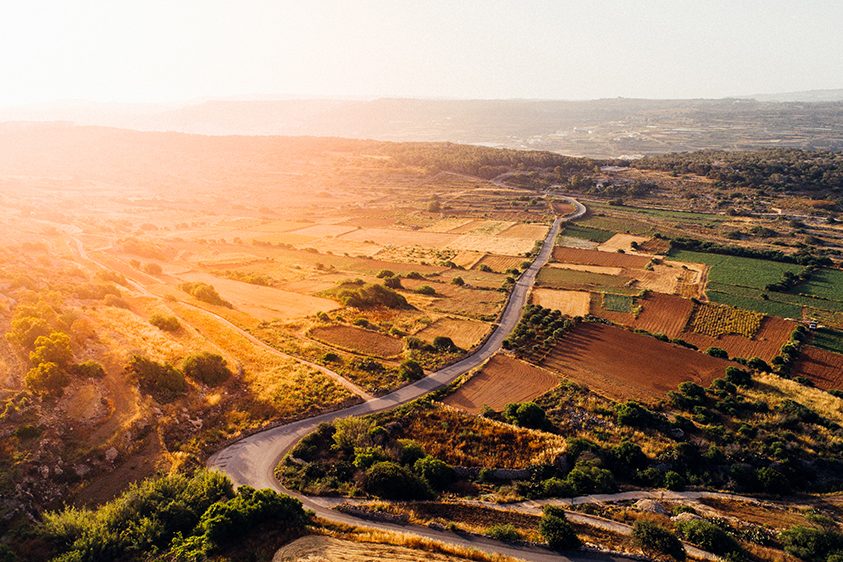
811 543
409 451
503 532
160 380
633 414
459 281
717 352
426 290
589 479
444 344
369 296
707 536
526 414
392 282
738 377
88 369
54 348
392 481
352 433
166 323
411 370
673 480
653 538
24 330
207 368
205 293
46 378
367 456
437 473
385 273
557 531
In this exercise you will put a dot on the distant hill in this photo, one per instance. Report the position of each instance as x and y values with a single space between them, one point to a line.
603 128
811 96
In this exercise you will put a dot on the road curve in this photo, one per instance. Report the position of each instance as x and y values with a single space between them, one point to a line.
252 460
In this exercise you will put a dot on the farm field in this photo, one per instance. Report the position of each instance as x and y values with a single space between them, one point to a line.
826 338
735 270
503 380
574 242
824 368
596 257
576 230
619 364
466 334
589 268
623 242
500 263
358 340
719 320
571 303
557 278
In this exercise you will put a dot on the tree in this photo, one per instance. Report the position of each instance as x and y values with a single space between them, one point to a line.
459 281
654 538
557 531
208 368
717 352
166 323
444 343
54 348
161 380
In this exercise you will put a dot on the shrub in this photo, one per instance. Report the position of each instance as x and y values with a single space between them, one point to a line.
654 538
392 481
503 532
526 414
207 368
409 451
556 530
353 433
54 348
811 543
444 344
437 473
738 377
589 479
459 281
331 357
392 282
160 380
24 330
426 290
205 293
673 480
166 323
369 296
367 456
411 370
633 414
717 352
46 378
758 364
707 536
484 267
88 369
385 273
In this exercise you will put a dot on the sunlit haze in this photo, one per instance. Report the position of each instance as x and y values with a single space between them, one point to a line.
162 51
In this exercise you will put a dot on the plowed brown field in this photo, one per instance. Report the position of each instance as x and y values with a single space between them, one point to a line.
824 368
766 343
623 365
596 257
358 340
502 380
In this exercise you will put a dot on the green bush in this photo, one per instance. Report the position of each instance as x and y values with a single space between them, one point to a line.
370 296
811 543
653 538
738 377
54 348
444 344
46 378
205 293
160 380
409 451
707 536
88 369
557 531
207 368
437 473
634 414
392 481
673 480
426 290
364 457
411 370
503 532
526 414
717 352
166 323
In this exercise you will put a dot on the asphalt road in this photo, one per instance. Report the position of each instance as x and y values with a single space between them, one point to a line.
252 460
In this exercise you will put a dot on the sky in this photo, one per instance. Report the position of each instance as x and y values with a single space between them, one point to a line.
183 50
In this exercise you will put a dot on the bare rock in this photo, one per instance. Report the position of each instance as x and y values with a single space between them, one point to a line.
651 506
111 455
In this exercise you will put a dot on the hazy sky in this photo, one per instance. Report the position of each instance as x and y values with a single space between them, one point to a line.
117 50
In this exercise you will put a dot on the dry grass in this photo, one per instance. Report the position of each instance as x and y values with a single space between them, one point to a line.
589 268
622 242
358 340
501 263
572 303
777 389
465 333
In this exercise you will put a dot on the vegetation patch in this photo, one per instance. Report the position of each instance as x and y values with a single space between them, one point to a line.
717 320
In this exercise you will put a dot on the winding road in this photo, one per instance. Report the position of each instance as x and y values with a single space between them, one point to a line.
252 460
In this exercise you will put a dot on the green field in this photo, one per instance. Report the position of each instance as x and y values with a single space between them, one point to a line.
617 303
586 233
831 340
615 224
769 307
825 284
557 278
679 216
735 270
